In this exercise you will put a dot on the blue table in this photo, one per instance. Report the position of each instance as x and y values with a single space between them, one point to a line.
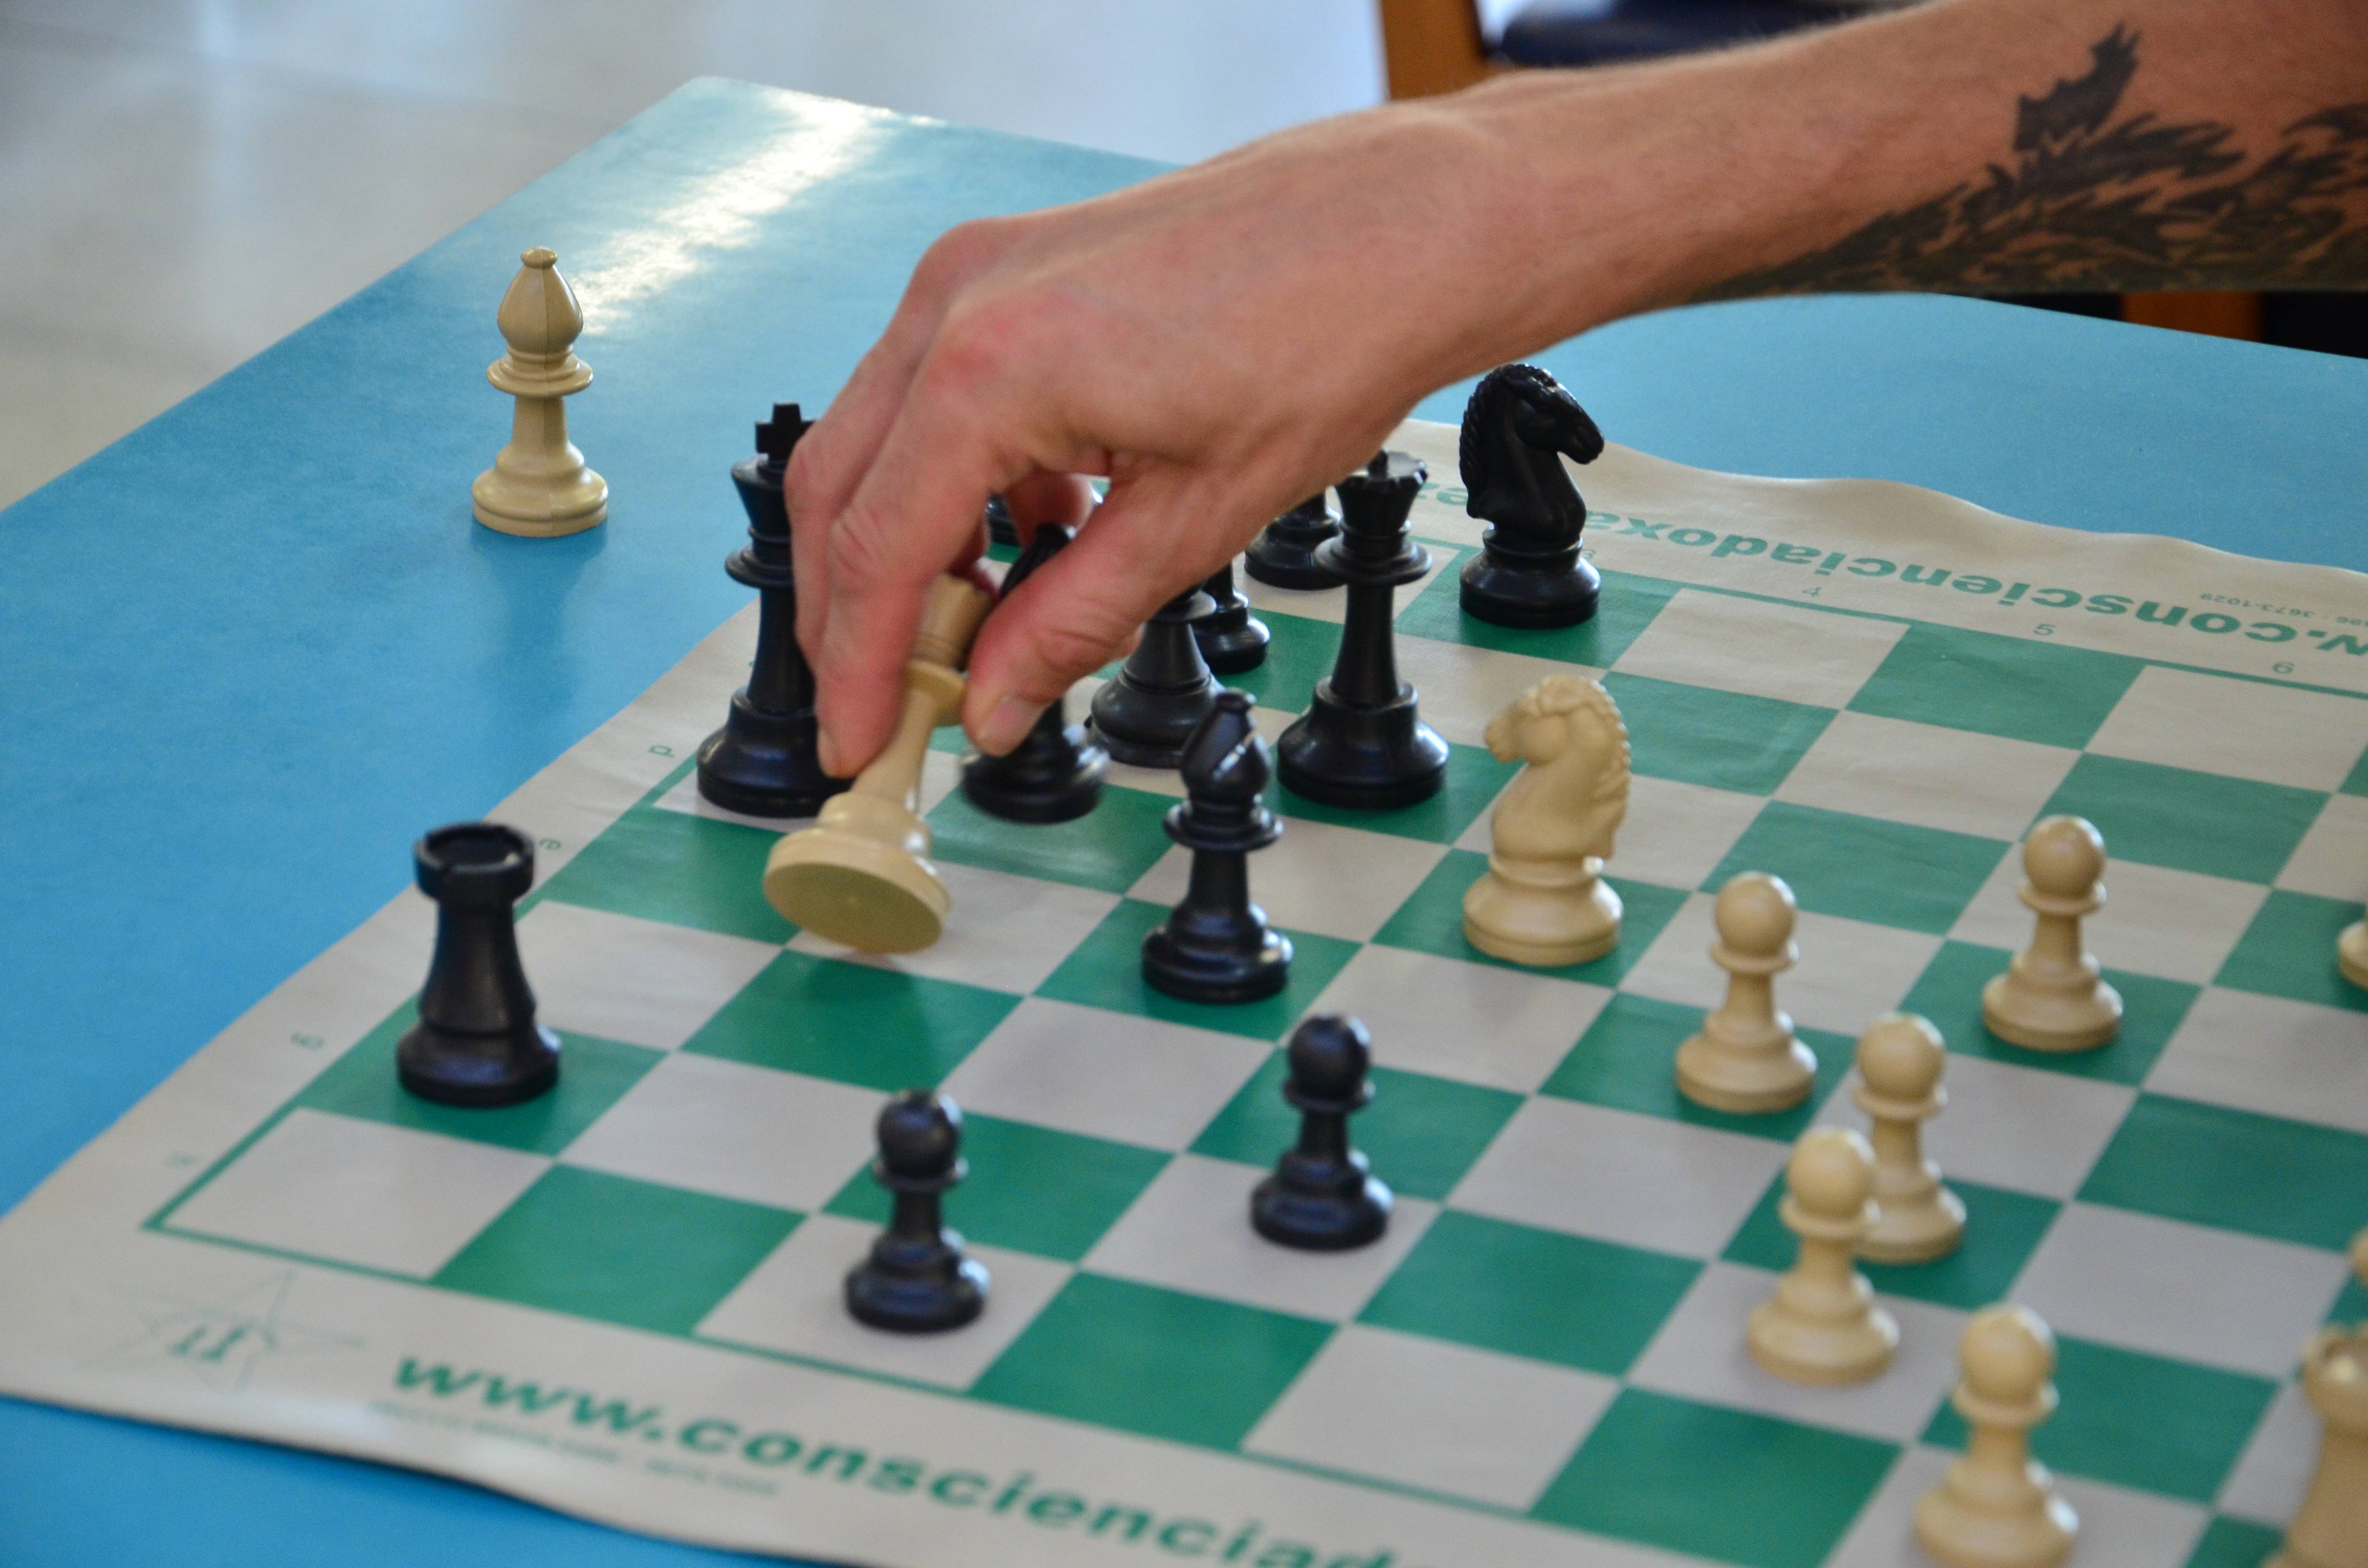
248 652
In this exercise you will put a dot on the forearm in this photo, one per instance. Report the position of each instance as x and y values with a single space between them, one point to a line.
1976 145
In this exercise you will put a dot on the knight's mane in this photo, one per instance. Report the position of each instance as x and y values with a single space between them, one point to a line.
1574 695
1479 415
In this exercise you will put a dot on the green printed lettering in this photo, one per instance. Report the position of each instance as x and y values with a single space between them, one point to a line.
2269 631
2344 644
529 1397
1137 1521
615 1413
2154 612
1638 526
2064 598
440 1377
1378 1560
897 1475
1872 566
1056 1509
695 1436
1454 495
850 1461
1793 554
1018 1485
1826 567
2107 604
2213 621
1940 575
1979 586
2015 593
771 1448
1187 1537
1740 544
971 1485
1242 1539
1690 536
1287 1554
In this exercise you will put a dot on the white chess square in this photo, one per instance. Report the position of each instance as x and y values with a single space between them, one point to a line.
1468 1021
1730 643
1311 604
2176 925
940 776
1699 1354
2023 1128
2118 1528
1850 971
2268 1054
795 1301
2240 728
641 981
779 1139
1006 932
1676 834
2173 1289
2332 858
1083 1070
685 798
1189 1230
2274 1471
1425 1413
360 1192
1319 876
1462 687
1956 780
1644 1181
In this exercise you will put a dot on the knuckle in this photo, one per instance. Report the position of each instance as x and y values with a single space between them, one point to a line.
863 548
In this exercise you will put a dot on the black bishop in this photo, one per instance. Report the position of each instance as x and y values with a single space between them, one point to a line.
1216 945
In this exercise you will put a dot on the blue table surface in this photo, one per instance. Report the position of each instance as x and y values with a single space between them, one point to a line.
250 651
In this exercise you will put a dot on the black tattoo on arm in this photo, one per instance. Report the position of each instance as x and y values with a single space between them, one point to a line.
2091 202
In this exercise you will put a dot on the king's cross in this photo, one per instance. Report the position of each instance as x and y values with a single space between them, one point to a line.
778 436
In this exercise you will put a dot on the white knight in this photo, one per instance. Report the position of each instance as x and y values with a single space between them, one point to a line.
1543 900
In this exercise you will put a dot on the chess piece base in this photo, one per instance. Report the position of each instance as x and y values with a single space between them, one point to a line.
1144 728
1957 1536
481 1072
2352 953
860 876
1046 778
2032 1012
1745 1077
1365 759
1915 1227
1528 920
906 1288
1285 557
1826 1351
535 507
1216 967
1231 641
1561 591
1321 1206
762 764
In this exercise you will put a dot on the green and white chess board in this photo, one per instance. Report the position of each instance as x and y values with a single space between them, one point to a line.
624 1300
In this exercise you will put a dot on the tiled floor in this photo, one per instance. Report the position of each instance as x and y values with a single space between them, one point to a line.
184 181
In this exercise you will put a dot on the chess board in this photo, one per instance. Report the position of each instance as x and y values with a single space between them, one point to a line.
622 1299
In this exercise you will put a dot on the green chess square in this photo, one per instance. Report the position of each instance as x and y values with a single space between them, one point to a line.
1113 1353
1106 970
2291 1181
2002 1230
2356 781
594 1073
1722 739
1030 1188
1421 1133
618 1250
2020 687
2139 1420
2351 1303
2235 1543
1300 651
678 869
1542 1294
1887 873
852 1023
2189 821
1628 606
1475 779
1948 993
2289 951
1628 1060
1713 1482
1431 921
1107 850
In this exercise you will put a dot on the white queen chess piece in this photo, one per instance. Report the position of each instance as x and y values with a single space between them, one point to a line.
1543 900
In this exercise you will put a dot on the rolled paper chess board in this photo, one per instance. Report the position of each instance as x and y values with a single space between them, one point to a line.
622 1299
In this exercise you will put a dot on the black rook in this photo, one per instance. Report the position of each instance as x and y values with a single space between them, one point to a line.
477 1042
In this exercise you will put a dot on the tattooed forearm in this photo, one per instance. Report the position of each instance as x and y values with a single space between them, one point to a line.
2095 202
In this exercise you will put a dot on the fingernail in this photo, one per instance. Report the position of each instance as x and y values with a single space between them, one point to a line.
826 751
1006 725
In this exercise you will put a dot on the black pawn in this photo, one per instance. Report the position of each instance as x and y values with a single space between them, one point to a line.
1055 773
1518 427
1231 639
1000 528
477 1042
1216 945
1162 691
1361 744
763 762
1323 1196
916 1279
1283 554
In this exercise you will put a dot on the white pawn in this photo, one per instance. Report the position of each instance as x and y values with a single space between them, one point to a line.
1821 1326
2330 1528
1997 1507
2051 998
1746 1058
1900 1058
2352 953
539 485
